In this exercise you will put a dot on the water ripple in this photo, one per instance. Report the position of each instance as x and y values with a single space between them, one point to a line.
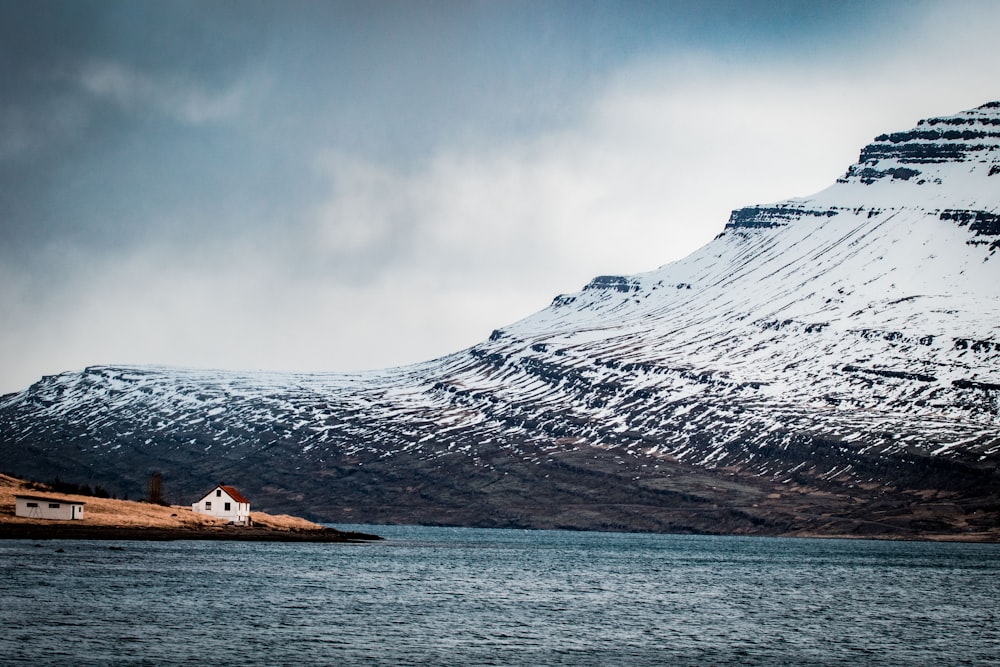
437 596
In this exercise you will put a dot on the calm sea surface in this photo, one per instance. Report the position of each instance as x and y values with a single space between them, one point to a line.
443 596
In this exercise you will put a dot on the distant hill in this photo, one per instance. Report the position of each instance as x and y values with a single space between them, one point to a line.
827 365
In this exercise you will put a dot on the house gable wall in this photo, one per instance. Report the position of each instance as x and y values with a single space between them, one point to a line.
220 504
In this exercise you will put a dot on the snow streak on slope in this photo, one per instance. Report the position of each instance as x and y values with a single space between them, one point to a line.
837 338
873 305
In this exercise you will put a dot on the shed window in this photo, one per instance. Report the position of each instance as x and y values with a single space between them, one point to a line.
32 504
54 506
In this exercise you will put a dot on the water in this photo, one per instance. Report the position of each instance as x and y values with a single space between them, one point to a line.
440 596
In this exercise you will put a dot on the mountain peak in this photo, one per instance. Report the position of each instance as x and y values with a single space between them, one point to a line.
919 155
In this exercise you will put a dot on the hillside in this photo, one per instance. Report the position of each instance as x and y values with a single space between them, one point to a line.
827 365
122 519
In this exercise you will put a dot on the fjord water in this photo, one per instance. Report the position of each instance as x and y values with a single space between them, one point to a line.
449 596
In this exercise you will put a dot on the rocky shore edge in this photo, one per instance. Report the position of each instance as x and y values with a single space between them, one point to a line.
25 531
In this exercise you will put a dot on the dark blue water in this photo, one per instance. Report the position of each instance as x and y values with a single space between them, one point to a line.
439 596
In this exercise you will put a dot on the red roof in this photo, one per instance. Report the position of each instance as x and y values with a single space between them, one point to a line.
236 495
233 493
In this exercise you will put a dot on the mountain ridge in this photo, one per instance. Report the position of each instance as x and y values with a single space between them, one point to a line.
827 364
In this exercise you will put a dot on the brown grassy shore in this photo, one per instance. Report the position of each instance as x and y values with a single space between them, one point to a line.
106 519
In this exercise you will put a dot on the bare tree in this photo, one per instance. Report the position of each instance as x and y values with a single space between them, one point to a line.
156 488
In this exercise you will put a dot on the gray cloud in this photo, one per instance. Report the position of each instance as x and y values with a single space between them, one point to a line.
349 185
171 96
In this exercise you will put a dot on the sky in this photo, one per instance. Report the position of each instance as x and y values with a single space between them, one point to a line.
337 186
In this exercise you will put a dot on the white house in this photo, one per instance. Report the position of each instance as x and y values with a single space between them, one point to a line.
224 502
41 507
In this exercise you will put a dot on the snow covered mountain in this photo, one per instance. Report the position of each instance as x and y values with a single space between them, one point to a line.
829 364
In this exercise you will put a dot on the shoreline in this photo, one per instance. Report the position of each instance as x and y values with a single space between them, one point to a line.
36 531
112 519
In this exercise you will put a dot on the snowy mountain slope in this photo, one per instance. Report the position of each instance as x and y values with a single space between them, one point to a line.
826 364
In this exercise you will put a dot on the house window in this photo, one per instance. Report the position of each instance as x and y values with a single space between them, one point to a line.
32 504
218 493
208 504
54 506
227 507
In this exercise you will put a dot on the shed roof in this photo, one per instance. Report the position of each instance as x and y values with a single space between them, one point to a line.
50 499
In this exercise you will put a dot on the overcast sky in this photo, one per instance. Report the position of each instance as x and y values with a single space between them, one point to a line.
297 185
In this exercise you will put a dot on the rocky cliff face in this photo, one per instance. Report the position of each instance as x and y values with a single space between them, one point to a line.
829 364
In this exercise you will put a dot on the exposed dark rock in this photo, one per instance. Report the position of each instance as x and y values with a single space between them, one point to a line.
616 283
869 175
905 375
919 153
971 384
981 223
763 217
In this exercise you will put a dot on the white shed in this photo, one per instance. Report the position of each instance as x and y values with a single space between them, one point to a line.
224 502
45 507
